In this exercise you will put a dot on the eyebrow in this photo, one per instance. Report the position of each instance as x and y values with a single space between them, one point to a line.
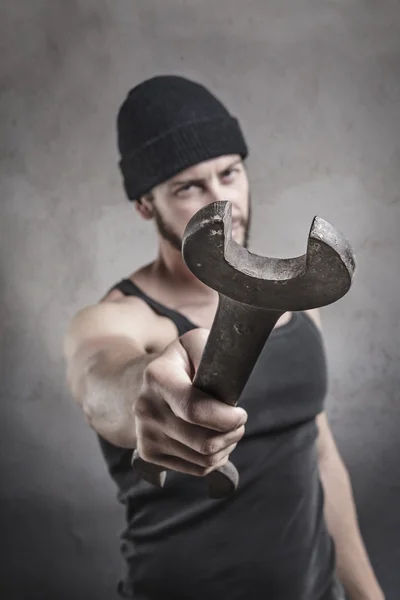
199 180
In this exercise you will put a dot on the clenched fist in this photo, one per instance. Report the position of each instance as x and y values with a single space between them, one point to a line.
177 426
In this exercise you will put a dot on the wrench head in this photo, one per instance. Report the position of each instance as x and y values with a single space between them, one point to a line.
321 276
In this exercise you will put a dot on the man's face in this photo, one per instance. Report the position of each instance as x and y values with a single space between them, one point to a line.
174 202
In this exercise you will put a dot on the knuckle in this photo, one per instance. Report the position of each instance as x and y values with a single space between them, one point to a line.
143 453
146 451
191 410
203 471
195 411
209 462
149 435
178 402
151 373
209 469
209 446
147 443
142 409
142 450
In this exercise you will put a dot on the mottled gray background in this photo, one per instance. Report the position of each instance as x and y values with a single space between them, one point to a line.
316 85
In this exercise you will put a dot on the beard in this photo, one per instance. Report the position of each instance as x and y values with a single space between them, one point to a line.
167 233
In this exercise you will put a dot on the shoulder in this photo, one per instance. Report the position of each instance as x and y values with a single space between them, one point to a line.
114 315
116 301
110 317
134 312
117 295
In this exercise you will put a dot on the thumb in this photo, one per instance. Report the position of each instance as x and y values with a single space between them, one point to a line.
193 342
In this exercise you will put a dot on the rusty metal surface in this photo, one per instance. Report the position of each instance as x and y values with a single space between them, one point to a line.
319 277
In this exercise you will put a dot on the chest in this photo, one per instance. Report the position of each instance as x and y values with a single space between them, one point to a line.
203 315
289 382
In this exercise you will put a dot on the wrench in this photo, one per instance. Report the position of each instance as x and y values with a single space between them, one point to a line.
254 292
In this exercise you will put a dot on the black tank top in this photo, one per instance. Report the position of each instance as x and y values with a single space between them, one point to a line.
269 540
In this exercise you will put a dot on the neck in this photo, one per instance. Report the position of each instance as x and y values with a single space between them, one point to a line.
170 267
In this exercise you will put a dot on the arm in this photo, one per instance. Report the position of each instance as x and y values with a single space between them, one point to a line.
354 569
107 348
131 375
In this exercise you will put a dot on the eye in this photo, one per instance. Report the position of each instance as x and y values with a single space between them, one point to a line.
186 190
230 173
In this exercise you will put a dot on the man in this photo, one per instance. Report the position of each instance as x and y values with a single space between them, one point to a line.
290 530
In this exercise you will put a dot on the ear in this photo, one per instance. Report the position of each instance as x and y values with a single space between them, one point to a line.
144 207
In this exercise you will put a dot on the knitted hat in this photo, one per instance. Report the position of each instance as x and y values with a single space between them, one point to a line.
168 124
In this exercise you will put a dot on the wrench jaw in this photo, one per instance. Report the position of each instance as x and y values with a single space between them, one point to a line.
318 278
149 472
326 233
204 241
223 482
330 266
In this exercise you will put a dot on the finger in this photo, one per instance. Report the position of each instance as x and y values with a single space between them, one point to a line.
169 375
193 343
202 440
186 351
175 448
167 379
176 463
200 409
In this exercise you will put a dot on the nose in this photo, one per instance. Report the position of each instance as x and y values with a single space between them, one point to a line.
218 192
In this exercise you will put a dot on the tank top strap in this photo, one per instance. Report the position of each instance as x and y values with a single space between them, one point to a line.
128 288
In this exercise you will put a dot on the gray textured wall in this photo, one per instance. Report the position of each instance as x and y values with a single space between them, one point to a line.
317 87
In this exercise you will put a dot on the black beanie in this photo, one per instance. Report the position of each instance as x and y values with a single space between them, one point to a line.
168 124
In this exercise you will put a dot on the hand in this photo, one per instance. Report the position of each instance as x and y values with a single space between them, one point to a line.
177 426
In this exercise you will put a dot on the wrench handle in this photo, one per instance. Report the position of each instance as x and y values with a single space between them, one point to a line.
236 339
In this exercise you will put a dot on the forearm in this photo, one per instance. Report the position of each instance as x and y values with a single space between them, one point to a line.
353 565
106 386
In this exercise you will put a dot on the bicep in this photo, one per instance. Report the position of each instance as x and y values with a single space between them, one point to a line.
106 324
107 335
